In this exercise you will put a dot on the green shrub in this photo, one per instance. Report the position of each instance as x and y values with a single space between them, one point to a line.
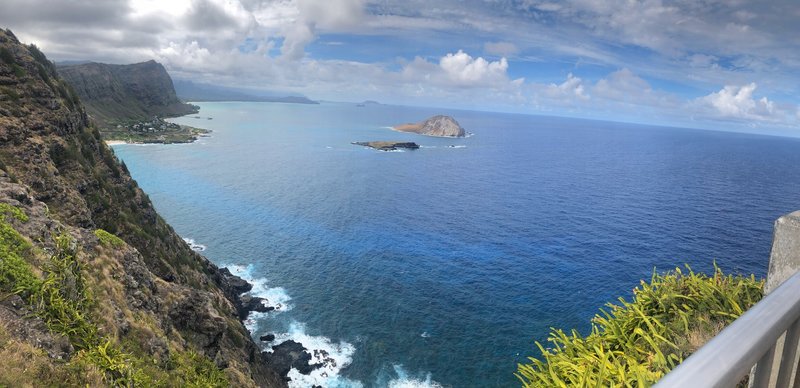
6 56
195 370
16 275
636 343
108 239
19 71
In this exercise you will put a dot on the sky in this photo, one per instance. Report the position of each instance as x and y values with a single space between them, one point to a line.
716 64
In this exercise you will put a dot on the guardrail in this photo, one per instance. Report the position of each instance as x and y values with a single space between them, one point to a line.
771 327
749 340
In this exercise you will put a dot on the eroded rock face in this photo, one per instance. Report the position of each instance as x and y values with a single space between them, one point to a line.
440 126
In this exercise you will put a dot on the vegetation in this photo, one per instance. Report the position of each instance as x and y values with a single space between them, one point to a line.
63 299
636 343
138 132
108 239
15 273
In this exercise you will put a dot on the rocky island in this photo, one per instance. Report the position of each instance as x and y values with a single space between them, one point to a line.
387 145
439 126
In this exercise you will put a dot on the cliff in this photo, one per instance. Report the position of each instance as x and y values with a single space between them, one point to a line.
118 93
440 126
95 287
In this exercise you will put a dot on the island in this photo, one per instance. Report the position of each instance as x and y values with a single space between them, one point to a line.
387 145
438 126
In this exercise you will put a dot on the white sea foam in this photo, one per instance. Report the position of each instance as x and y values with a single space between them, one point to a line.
425 334
456 146
276 296
333 357
194 245
404 380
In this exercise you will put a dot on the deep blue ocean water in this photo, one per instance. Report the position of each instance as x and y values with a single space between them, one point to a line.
442 265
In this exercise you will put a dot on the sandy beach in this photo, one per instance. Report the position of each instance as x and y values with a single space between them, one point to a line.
115 142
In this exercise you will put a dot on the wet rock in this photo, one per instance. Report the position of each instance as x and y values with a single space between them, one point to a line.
288 355
233 283
247 304
267 338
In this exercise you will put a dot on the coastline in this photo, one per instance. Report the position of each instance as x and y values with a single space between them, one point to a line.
186 135
115 142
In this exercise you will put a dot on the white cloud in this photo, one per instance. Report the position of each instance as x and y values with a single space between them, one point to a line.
464 70
738 102
330 15
570 89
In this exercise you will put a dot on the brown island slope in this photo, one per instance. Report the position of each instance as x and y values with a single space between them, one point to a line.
439 126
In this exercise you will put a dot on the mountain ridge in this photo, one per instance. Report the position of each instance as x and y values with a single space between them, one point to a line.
114 93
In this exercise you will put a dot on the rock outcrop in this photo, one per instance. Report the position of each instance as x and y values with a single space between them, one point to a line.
291 354
113 93
439 126
136 291
387 145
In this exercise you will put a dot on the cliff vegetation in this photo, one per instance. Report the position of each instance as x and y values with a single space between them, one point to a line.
635 343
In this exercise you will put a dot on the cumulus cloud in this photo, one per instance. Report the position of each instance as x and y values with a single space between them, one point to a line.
570 89
463 69
738 102
460 70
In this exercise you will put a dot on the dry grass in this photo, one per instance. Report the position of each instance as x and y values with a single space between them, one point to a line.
26 366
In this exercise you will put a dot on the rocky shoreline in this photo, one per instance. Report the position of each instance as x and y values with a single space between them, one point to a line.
284 356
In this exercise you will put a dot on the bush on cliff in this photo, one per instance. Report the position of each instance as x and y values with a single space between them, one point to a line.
636 343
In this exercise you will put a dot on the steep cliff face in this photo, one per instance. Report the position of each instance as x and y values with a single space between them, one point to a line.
124 92
95 288
440 126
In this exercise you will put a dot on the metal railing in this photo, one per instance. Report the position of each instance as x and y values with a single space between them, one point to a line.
752 339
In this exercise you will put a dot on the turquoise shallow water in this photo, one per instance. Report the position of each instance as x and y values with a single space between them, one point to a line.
442 265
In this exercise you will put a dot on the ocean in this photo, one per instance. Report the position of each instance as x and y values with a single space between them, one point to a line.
441 266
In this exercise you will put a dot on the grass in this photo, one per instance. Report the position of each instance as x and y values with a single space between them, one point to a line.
635 343
16 275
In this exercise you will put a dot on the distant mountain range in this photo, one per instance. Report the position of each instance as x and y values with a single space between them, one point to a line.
114 93
191 91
